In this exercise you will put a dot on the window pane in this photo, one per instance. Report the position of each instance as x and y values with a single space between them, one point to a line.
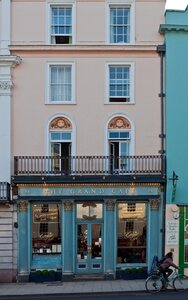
61 21
132 226
66 135
55 136
119 25
46 228
119 82
61 85
113 135
124 135
89 211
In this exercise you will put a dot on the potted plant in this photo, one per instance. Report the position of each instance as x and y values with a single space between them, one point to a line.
44 276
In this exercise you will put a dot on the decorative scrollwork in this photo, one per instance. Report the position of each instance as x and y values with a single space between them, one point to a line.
154 203
68 205
23 205
110 204
6 85
119 123
60 123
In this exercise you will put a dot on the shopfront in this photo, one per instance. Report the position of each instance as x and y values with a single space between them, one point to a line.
88 229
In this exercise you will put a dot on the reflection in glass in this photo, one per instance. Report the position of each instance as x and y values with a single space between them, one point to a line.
82 232
132 233
89 211
46 228
96 241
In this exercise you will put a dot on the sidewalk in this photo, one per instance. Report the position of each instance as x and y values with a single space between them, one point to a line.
74 287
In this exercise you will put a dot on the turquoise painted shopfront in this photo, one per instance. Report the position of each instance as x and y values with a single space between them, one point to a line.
175 31
88 229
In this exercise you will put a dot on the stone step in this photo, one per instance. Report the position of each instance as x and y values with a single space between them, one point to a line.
87 277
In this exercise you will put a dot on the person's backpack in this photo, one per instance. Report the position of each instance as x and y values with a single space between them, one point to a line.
161 261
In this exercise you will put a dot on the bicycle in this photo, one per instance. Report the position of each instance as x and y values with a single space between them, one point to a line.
156 282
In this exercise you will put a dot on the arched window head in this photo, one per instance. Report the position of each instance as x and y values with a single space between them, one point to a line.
60 123
119 123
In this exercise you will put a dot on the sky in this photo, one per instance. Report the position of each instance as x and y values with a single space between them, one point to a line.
176 4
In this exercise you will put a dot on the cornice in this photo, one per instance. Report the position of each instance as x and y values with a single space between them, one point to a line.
84 48
171 28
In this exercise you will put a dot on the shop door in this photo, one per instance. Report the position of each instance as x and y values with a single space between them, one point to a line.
89 256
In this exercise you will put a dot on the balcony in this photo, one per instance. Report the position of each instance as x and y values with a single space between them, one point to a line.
4 192
89 165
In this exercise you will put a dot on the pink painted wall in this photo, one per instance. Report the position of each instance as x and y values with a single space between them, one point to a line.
90 114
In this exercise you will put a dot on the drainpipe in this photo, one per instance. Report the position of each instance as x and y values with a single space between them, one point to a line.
161 51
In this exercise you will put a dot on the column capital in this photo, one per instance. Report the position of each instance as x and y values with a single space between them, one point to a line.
154 203
68 205
23 205
110 204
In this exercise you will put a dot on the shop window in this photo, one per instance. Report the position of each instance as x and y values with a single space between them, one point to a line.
46 228
132 225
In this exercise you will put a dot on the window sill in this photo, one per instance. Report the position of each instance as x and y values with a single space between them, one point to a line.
61 103
120 103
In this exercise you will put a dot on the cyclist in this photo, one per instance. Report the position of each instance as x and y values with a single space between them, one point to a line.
167 262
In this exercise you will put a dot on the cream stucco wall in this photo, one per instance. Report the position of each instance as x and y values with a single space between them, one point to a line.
91 112
30 21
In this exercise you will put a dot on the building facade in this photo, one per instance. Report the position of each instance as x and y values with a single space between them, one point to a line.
87 164
175 30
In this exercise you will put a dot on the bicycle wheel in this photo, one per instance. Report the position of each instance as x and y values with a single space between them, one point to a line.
153 284
180 283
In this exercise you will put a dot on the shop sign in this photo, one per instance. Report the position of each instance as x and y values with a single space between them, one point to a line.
88 191
172 229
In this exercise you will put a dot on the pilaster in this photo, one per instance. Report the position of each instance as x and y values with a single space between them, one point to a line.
5 25
23 259
68 247
109 239
6 84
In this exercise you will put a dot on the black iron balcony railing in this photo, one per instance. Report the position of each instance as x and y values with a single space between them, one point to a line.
89 165
4 191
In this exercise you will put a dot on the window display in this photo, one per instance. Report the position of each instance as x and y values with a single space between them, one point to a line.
46 228
132 226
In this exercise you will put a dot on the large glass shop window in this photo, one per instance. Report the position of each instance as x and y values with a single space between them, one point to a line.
132 228
46 228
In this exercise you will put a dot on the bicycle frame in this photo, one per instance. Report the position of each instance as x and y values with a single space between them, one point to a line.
161 281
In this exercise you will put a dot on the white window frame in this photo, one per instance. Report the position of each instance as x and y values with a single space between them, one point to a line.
48 85
60 3
129 4
131 65
132 134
